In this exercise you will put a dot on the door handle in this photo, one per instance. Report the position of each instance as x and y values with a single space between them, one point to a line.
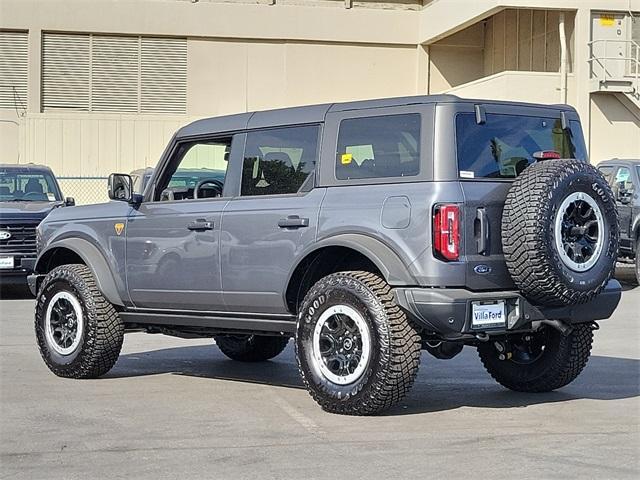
200 224
483 234
293 221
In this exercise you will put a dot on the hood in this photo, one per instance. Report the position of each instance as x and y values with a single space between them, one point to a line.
26 210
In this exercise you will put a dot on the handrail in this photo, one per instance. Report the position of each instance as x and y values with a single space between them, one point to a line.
631 62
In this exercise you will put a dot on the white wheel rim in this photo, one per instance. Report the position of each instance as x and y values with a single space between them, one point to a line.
563 238
64 323
350 350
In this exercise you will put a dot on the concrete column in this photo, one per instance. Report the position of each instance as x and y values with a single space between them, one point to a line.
34 85
582 37
422 69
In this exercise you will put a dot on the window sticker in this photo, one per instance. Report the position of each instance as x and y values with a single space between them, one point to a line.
466 174
346 158
51 197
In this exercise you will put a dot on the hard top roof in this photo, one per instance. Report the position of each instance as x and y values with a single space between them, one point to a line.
28 167
620 161
317 113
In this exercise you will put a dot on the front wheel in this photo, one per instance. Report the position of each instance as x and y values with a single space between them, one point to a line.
357 352
79 333
538 362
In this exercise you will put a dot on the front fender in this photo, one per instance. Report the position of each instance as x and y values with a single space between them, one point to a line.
106 281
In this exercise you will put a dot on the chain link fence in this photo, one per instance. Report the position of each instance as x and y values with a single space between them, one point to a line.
85 190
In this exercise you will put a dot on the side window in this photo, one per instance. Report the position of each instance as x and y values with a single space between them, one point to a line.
378 147
196 170
623 183
606 172
278 161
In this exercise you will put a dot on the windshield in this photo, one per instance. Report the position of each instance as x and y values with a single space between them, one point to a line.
504 145
28 186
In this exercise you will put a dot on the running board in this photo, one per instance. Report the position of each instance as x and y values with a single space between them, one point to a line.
248 322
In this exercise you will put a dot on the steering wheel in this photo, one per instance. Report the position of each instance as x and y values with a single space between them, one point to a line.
34 195
216 184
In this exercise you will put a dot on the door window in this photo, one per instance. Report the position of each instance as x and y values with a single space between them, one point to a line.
378 147
606 172
197 170
623 183
278 161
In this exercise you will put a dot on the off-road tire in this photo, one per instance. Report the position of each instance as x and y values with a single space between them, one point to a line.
251 348
562 360
528 236
103 330
395 345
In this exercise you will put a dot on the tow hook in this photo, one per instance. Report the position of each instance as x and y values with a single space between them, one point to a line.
503 354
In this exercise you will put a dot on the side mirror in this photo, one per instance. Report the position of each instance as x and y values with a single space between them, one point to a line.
69 202
624 197
120 187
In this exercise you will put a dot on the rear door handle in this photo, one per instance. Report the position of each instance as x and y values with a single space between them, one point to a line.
483 234
200 224
293 221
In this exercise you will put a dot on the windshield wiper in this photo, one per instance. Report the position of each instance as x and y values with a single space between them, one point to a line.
18 200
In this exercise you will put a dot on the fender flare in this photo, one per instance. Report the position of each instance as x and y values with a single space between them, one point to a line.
391 266
93 258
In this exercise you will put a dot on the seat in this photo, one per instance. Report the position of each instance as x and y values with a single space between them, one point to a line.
5 191
33 186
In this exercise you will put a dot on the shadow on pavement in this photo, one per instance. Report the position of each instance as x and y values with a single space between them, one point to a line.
15 292
441 385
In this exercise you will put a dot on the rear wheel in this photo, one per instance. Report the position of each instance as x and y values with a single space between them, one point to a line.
540 361
251 348
357 352
79 333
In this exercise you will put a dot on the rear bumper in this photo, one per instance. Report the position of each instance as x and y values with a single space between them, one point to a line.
447 312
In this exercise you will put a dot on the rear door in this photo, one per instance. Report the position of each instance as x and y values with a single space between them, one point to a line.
623 190
494 144
266 228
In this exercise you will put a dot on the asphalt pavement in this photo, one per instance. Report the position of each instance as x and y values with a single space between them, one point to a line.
178 409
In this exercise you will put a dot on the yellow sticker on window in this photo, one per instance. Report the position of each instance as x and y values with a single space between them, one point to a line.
346 159
607 20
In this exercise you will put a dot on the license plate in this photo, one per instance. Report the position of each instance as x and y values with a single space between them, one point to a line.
488 315
6 262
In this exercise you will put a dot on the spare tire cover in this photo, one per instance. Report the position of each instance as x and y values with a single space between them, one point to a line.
560 232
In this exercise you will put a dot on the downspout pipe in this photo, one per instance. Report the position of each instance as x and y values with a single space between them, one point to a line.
563 59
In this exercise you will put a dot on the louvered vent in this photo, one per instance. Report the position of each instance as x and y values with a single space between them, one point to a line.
13 70
163 68
65 71
120 74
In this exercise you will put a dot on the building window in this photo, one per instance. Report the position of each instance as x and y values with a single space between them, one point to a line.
109 73
13 70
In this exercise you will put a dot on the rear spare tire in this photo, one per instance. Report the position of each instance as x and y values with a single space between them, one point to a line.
560 232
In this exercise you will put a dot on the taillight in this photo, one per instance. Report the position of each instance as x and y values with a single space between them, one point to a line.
446 231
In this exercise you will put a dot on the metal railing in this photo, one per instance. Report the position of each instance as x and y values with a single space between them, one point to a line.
85 190
605 67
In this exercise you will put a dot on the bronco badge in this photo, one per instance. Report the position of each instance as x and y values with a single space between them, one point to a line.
119 227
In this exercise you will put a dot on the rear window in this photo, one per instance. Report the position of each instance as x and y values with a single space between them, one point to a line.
504 145
378 147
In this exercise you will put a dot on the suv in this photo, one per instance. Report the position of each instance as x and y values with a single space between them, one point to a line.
368 231
624 178
27 194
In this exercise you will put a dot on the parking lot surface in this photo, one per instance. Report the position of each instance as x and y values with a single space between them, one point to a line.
175 408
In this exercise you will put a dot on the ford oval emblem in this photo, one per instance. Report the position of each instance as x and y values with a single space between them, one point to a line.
5 235
482 269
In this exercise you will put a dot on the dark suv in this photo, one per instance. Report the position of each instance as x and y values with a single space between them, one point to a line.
27 194
368 231
624 178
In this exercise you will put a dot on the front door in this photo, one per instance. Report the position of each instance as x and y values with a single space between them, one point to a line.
173 239
623 190
266 228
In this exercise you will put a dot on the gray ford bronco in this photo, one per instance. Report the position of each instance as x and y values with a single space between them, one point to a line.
367 231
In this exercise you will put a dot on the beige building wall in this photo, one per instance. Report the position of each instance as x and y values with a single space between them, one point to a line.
248 55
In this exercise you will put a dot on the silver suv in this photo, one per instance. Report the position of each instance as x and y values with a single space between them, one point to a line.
368 231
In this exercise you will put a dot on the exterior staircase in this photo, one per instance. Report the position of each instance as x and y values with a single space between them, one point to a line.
615 68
